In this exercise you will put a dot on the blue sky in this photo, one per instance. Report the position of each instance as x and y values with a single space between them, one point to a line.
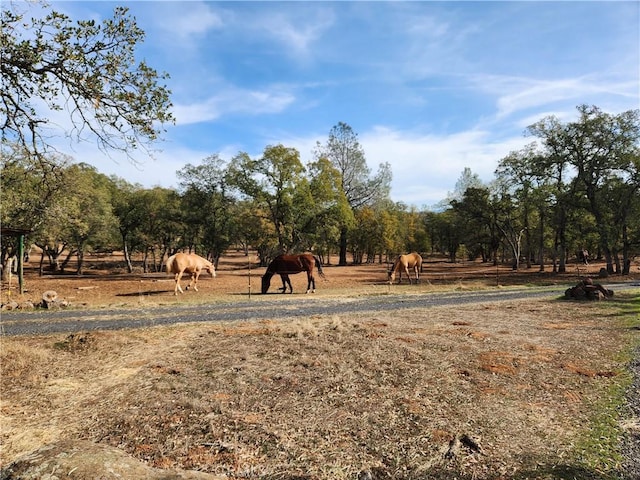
430 87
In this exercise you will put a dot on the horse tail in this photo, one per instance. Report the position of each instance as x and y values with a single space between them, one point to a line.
319 267
169 264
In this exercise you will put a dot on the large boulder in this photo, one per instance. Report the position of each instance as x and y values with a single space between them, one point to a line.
84 460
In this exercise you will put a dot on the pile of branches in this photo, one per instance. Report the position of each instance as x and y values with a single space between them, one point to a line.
587 290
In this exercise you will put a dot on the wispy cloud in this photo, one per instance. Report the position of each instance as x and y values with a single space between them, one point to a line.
296 33
232 101
185 22
430 87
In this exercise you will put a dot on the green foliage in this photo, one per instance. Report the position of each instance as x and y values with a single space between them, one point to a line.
208 223
85 68
548 199
277 185
90 223
27 187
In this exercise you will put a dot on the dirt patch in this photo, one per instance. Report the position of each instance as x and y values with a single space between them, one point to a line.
105 283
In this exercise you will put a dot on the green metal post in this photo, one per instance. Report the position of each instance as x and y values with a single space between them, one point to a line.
20 263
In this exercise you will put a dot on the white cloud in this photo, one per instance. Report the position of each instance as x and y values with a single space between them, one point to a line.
146 171
233 100
297 33
194 19
425 167
516 94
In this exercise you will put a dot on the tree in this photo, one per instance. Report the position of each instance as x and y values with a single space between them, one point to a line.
467 180
208 205
330 208
87 68
476 219
126 200
278 186
88 215
344 151
28 186
601 149
159 223
43 201
523 173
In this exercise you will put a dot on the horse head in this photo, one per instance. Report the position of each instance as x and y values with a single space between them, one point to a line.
211 269
391 275
266 281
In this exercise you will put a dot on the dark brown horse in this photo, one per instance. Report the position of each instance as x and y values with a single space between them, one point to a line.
285 265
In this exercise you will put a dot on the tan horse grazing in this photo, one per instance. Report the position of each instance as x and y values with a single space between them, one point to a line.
404 263
284 265
189 263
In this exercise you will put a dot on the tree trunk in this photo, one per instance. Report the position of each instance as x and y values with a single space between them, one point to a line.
343 247
145 259
541 241
626 269
127 256
80 257
41 266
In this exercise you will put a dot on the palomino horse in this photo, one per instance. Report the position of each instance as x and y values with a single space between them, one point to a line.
189 263
285 265
404 263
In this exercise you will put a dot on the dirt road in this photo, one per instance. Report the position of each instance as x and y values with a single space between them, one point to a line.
259 307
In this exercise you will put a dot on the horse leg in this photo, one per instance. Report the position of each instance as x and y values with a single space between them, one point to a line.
311 283
194 277
406 270
177 288
417 270
285 279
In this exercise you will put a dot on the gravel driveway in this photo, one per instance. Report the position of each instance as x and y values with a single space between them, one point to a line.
261 307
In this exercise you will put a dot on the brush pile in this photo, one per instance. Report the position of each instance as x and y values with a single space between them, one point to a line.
587 290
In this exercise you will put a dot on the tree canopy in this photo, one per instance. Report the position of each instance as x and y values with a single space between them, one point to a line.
84 68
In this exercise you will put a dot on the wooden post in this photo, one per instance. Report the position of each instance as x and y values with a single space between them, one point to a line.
21 263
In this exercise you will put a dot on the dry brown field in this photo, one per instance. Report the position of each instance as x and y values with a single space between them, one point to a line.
530 389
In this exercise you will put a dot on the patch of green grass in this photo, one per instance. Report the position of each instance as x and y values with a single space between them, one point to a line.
599 449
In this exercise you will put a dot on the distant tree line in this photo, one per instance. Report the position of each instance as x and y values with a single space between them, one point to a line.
575 187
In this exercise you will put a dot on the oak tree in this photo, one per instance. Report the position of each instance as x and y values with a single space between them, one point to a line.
84 68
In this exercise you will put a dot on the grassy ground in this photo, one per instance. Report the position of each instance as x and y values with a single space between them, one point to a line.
529 389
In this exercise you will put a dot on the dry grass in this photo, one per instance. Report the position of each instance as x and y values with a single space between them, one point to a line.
484 391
